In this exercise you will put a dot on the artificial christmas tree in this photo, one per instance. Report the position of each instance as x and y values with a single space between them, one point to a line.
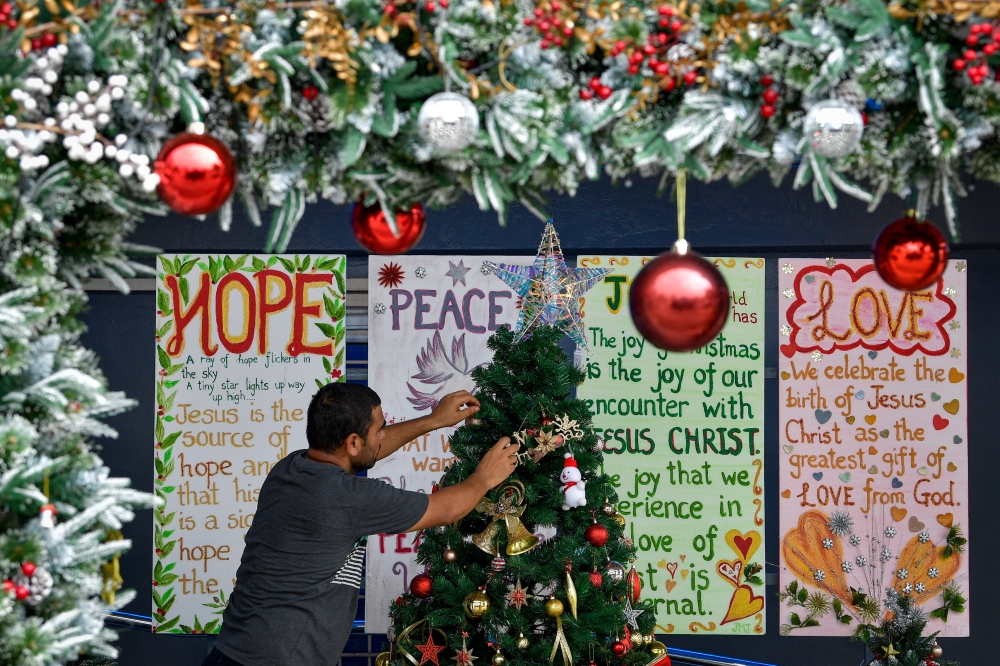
505 596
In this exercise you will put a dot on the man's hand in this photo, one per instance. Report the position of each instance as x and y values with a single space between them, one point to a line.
450 409
498 463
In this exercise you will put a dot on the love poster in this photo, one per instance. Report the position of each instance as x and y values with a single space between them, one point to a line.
242 344
429 318
873 434
684 442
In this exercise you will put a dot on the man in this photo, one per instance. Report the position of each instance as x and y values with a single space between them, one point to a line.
297 586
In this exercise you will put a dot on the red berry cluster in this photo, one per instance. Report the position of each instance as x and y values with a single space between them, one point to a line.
555 30
48 40
6 20
769 96
655 50
595 87
974 61
666 22
20 592
310 92
393 7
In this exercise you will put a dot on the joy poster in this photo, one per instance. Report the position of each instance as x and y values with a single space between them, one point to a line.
684 442
428 323
242 344
873 436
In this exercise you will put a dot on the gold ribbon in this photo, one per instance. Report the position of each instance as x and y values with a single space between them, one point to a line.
509 508
406 632
562 643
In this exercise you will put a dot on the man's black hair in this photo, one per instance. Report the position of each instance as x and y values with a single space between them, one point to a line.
338 410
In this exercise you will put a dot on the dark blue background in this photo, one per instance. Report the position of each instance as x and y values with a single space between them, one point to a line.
755 220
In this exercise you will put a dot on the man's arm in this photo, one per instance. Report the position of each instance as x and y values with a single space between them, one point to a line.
455 502
448 412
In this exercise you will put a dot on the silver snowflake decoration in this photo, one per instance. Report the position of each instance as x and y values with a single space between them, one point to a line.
886 554
960 266
828 543
786 330
907 588
923 537
788 293
955 352
421 272
485 268
933 572
819 575
949 292
817 357
787 268
840 523
861 560
847 566
855 540
921 588
830 262
890 531
902 574
955 325
379 308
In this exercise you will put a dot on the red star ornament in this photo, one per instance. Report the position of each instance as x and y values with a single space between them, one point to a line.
429 651
517 596
391 275
464 656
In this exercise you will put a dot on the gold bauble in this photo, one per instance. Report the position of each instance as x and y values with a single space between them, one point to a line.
619 518
657 648
382 659
476 605
638 640
553 607
499 659
450 555
522 642
936 651
650 639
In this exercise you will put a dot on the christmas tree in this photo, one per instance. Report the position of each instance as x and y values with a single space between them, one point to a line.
899 640
492 589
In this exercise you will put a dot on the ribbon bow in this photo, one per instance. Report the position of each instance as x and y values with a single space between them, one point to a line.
509 508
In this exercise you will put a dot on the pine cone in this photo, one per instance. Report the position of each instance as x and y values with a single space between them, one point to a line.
315 114
849 91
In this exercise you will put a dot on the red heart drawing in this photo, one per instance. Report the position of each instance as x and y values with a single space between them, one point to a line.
788 350
672 568
743 544
940 423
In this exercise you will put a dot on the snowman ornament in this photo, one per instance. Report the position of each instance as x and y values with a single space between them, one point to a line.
573 486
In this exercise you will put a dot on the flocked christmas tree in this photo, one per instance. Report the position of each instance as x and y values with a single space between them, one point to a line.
493 590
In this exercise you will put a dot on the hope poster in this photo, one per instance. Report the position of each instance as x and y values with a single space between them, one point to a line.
684 442
873 435
242 344
428 323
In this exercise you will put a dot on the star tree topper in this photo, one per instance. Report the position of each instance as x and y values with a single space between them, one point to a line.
550 291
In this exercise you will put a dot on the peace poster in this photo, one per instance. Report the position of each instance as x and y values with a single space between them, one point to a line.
873 436
429 318
684 442
242 344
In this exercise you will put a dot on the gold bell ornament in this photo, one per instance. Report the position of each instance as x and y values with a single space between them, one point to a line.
509 508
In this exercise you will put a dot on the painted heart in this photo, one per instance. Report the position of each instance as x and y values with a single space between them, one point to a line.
946 519
870 419
670 585
951 407
730 571
803 553
940 423
929 556
873 470
957 439
952 467
810 278
683 557
744 544
954 376
786 493
671 569
744 603
897 513
922 471
872 451
662 564
788 448
818 476
823 415
884 434
896 483
915 525
935 397
845 477
785 375
850 420
873 355
860 395
684 573
787 350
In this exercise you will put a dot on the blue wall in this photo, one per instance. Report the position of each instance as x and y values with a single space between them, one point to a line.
753 220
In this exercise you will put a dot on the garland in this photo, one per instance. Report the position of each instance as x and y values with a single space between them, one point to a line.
321 99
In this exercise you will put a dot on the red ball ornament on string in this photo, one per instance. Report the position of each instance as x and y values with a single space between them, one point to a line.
596 534
679 301
197 173
420 586
373 231
596 579
618 648
910 254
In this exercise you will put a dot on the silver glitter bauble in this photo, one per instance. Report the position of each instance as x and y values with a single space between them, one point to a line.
448 122
833 128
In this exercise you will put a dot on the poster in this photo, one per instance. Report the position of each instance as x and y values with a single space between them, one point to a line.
684 442
242 344
873 435
428 323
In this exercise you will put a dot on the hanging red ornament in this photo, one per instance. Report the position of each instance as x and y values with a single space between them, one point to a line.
679 301
596 534
197 173
373 231
420 586
618 648
910 254
633 585
596 579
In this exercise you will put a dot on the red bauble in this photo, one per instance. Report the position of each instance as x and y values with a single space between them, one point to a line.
910 254
596 534
679 301
420 586
374 234
596 579
618 648
197 174
28 569
633 585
